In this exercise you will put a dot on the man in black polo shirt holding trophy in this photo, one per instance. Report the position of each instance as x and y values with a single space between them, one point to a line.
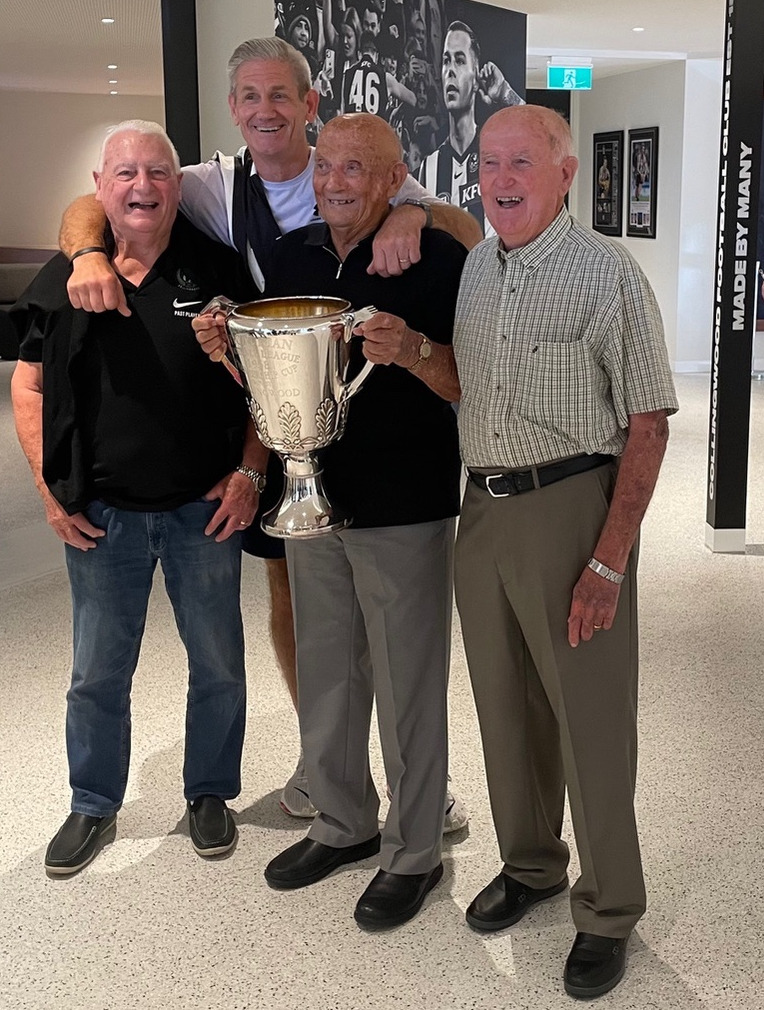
372 602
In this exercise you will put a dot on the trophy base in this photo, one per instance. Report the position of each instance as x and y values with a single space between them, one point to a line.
303 510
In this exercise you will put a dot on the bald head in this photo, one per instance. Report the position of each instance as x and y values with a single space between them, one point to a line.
526 168
363 129
547 124
358 169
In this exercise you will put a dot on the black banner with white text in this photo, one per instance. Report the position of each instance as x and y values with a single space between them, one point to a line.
735 282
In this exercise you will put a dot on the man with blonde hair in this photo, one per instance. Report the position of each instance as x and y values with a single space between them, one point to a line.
140 450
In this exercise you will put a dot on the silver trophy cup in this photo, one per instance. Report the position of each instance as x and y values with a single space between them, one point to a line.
293 355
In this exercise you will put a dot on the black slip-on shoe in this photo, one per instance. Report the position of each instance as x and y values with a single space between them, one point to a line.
505 901
393 898
595 965
77 842
307 862
211 826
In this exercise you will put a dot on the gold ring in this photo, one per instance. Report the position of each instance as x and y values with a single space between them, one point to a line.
243 524
598 627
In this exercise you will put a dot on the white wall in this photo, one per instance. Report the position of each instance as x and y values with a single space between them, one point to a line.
50 148
684 101
653 97
220 26
697 236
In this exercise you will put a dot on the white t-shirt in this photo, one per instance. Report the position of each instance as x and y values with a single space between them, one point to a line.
207 200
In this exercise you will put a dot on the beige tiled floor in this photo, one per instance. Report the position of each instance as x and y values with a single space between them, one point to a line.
149 924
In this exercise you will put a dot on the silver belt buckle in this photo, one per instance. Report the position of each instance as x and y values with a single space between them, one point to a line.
495 476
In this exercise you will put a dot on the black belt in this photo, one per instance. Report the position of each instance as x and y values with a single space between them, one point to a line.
502 485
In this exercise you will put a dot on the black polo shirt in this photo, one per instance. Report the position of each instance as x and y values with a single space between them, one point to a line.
398 461
141 414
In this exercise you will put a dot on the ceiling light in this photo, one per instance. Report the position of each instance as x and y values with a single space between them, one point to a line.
107 21
637 29
112 82
113 92
112 66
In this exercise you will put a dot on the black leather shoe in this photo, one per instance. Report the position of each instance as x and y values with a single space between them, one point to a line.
595 965
394 898
505 901
307 861
77 842
211 826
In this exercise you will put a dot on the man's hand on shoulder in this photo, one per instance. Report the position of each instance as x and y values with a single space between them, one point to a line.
396 244
94 286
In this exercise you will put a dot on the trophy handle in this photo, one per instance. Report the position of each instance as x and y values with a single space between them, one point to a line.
225 305
351 320
351 388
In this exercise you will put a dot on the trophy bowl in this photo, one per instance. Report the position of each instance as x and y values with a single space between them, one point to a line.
293 359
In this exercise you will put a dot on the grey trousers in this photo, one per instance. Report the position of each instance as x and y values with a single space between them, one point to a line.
552 716
372 612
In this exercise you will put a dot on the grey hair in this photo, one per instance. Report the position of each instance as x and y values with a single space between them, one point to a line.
560 137
138 126
271 48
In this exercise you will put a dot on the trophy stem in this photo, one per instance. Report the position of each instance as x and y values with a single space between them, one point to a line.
303 510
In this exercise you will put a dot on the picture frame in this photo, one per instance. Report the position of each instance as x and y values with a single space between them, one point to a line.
643 183
607 183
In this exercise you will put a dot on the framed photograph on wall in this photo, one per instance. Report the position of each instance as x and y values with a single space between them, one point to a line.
607 182
643 182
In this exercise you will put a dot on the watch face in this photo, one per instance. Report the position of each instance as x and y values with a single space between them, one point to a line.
425 348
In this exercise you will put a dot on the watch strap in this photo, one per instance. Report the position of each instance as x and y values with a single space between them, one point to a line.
604 572
422 206
257 478
425 350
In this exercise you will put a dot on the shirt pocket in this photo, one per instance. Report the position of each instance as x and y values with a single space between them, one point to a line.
562 388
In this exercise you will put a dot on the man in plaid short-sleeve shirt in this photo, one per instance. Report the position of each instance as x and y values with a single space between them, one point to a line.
563 425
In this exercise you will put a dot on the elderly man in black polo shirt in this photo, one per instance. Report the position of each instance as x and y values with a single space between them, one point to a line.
372 603
140 454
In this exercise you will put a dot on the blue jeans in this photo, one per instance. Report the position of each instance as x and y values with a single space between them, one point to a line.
110 587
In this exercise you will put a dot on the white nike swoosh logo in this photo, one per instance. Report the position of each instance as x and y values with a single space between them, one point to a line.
182 305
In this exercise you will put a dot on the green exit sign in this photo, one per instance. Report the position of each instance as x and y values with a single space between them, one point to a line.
569 78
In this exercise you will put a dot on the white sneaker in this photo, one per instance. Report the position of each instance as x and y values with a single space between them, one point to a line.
456 817
295 800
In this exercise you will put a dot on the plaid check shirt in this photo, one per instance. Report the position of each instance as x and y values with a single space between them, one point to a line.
556 344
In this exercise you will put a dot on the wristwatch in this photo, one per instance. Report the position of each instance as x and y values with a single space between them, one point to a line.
422 206
257 478
425 350
605 572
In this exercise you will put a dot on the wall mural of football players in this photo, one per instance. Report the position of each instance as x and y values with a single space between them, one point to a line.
434 69
451 172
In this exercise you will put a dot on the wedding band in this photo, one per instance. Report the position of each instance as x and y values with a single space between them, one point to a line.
243 524
404 259
598 627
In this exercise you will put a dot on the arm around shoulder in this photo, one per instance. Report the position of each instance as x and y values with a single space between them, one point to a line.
456 222
93 285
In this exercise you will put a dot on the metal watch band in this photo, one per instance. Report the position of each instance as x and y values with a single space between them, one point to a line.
257 478
423 206
604 571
